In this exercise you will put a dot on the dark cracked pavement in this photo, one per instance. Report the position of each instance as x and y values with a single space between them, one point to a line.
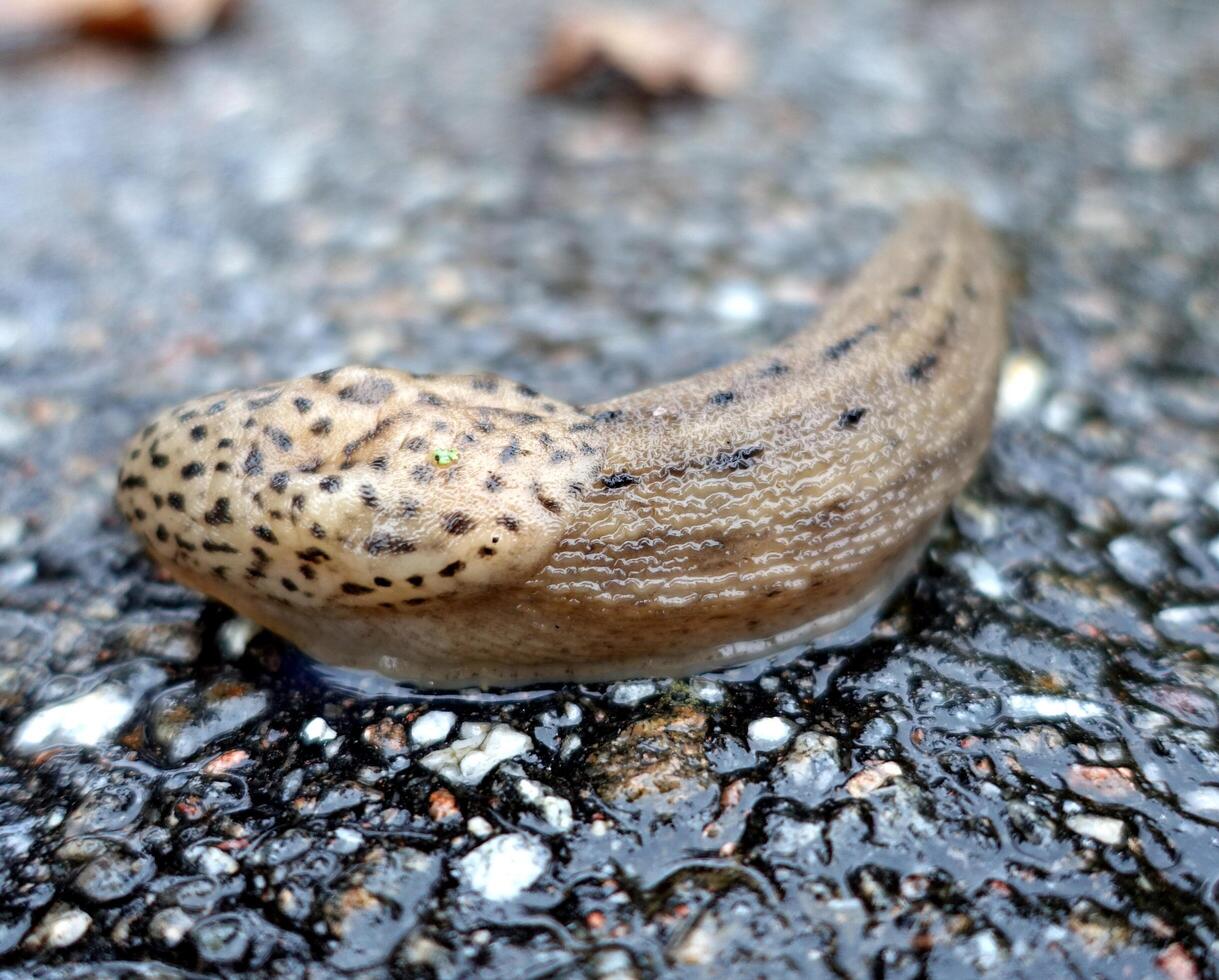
1017 774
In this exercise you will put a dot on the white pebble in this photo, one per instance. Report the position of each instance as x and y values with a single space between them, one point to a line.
769 733
739 303
317 731
87 720
479 827
213 861
1203 800
631 692
61 929
1107 830
505 866
709 692
432 727
1049 706
1022 385
480 749
983 576
235 635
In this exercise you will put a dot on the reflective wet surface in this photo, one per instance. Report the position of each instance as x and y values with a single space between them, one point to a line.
1017 774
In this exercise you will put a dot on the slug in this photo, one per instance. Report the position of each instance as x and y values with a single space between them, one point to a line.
466 530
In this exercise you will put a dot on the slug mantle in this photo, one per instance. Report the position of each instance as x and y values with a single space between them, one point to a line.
464 530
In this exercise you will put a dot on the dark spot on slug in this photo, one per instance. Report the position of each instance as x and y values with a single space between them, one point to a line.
383 543
721 398
320 427
452 569
415 444
382 582
493 483
313 555
609 415
288 584
225 444
736 459
486 552
265 533
158 460
920 370
175 500
457 522
302 404
215 408
131 482
323 377
192 470
850 418
549 503
774 370
182 543
279 481
253 462
222 467
616 481
162 534
266 400
199 433
351 588
415 580
837 350
508 522
329 484
219 514
368 495
318 532
913 292
219 547
281 439
526 391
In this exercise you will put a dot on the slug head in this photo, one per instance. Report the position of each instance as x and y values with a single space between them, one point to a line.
359 487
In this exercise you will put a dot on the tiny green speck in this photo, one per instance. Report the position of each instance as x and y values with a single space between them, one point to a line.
445 457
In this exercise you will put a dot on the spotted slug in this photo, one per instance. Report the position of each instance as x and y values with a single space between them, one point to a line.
467 530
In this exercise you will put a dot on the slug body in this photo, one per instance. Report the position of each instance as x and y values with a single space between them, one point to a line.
466 530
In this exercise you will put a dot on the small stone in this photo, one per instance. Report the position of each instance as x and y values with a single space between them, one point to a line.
112 875
1106 830
1022 385
1203 801
212 861
386 736
766 734
235 635
1139 561
432 727
442 806
1176 963
479 827
707 691
170 926
630 693
648 53
481 747
1102 782
812 762
1050 706
983 576
505 866
87 720
739 303
1191 625
867 781
186 720
316 731
63 926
